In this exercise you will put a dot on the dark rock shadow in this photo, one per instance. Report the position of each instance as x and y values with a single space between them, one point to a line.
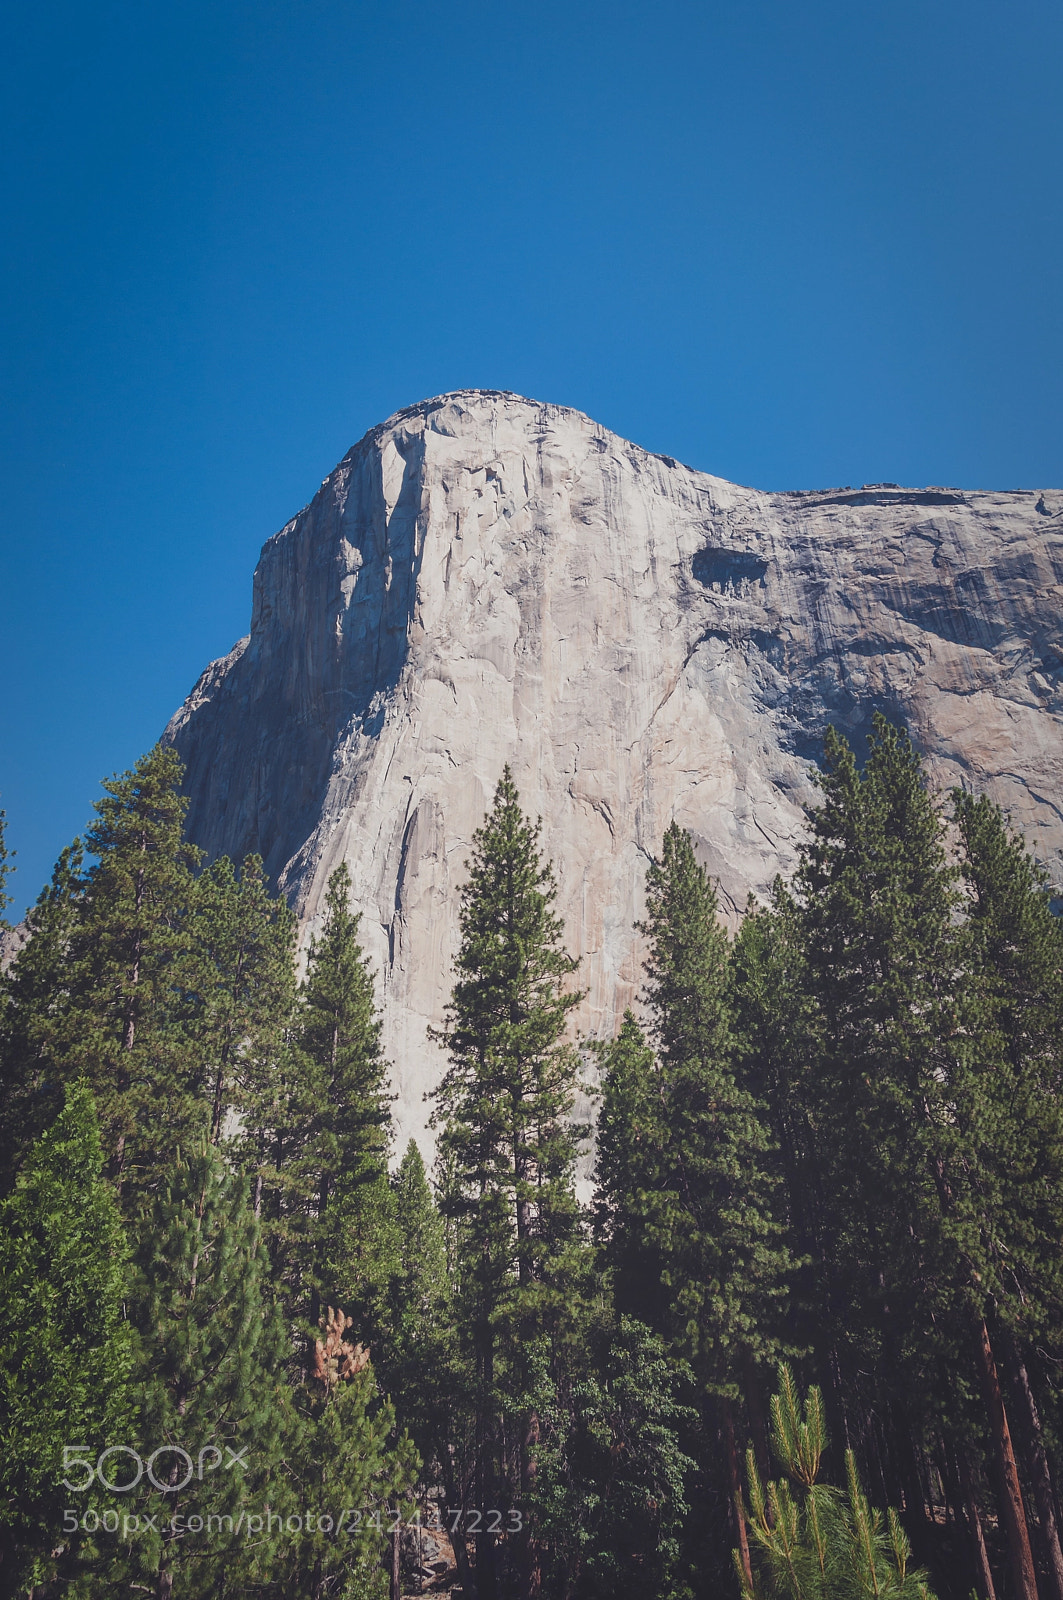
334 596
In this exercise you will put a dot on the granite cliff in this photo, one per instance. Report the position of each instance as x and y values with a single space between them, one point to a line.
486 579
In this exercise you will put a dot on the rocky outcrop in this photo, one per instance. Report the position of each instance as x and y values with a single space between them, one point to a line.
486 579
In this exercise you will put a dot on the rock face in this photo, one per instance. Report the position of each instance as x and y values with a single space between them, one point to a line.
486 579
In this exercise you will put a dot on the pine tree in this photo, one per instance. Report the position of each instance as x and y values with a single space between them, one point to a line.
243 973
631 1165
898 1103
125 1023
211 1381
423 1365
332 1212
877 908
36 997
611 1491
826 1544
421 1288
350 1476
65 1354
688 1151
1015 950
504 1105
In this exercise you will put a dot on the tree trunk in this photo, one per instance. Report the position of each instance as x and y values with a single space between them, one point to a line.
485 1540
1012 1510
420 1549
735 1486
1032 1437
984 1571
533 1577
915 1499
758 1425
946 1471
456 1502
396 1559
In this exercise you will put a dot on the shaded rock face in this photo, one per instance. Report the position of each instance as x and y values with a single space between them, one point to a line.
486 579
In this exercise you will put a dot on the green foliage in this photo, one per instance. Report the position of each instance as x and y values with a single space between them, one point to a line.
243 988
128 970
684 1170
686 968
1014 950
505 1100
610 1490
890 1096
36 998
331 1210
776 1048
840 1132
421 1362
630 1165
1017 941
346 1458
509 1148
823 1543
65 1351
421 1288
211 1373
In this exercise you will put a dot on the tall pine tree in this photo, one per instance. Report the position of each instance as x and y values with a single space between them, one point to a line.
1015 951
897 1101
332 1209
128 974
700 1218
505 1106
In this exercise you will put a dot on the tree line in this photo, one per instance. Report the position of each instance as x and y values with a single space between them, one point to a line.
806 1341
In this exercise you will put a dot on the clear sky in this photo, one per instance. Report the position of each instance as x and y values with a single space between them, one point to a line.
795 244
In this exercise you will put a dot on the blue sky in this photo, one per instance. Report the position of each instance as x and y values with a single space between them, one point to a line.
793 244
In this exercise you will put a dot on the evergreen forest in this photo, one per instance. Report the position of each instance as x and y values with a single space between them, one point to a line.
803 1342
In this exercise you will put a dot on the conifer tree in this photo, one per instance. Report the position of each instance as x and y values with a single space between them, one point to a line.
776 1050
337 1235
701 1211
36 997
350 1476
826 1544
243 972
65 1354
1015 949
211 1381
611 1490
421 1287
424 1364
504 1105
125 1023
898 1102
877 906
631 1165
